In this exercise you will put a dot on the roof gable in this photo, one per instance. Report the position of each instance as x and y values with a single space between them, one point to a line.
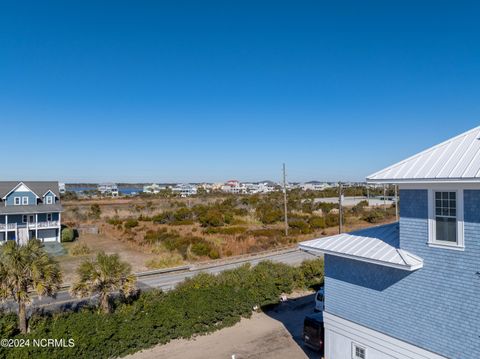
49 191
39 188
457 159
20 187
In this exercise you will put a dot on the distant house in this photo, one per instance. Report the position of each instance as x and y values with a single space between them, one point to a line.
61 188
315 186
254 188
108 189
234 186
29 210
185 190
153 188
411 289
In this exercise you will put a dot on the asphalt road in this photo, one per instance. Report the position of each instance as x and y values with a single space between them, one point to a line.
167 281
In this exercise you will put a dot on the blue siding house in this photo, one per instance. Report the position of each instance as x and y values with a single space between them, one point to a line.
30 210
411 289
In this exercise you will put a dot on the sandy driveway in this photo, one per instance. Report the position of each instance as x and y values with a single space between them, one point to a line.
275 334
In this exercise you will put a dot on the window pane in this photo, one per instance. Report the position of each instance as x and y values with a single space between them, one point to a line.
438 195
446 229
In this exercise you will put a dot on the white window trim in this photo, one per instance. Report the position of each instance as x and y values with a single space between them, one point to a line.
354 347
24 200
49 199
15 201
25 218
51 217
432 242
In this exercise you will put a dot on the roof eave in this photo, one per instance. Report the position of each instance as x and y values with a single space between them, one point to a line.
421 180
406 267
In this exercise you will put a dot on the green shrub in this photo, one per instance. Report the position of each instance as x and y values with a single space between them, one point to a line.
374 216
268 213
199 305
331 220
8 325
114 221
300 224
68 234
316 222
201 248
212 218
312 273
225 230
130 223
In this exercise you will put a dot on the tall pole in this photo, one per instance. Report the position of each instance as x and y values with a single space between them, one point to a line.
384 198
340 211
396 202
285 199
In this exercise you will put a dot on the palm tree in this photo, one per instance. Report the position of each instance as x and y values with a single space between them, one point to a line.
27 268
104 276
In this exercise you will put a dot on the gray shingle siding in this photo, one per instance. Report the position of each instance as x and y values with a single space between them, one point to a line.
437 307
10 200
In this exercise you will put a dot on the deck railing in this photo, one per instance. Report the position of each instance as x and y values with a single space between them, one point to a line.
8 226
45 224
32 225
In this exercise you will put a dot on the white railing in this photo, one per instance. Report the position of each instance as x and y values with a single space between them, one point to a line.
31 225
46 224
8 226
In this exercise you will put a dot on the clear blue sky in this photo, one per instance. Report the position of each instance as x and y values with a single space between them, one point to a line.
212 90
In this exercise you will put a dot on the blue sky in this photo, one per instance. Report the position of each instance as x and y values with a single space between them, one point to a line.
212 90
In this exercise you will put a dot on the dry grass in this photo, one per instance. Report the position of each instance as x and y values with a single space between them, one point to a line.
131 247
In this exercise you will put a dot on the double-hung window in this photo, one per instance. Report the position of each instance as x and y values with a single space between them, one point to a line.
447 219
16 201
25 200
49 199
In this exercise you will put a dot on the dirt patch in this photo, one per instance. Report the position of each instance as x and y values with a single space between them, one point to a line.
101 242
274 334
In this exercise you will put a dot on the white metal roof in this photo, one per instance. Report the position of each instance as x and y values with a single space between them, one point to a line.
455 160
378 245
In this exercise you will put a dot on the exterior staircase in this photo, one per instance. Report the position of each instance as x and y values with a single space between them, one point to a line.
22 236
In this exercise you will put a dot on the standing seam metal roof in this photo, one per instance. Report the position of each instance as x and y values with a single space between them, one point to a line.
374 245
457 159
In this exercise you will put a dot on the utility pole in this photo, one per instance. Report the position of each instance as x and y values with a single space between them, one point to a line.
384 198
340 211
285 199
396 202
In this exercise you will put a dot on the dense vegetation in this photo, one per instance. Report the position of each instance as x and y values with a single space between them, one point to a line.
200 305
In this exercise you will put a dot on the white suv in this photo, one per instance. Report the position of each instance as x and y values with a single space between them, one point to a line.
320 300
